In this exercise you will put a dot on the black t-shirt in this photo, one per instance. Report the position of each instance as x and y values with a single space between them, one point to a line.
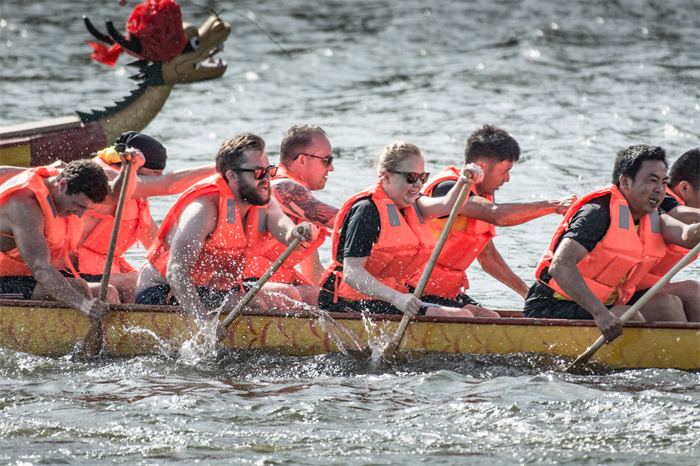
442 188
359 231
668 204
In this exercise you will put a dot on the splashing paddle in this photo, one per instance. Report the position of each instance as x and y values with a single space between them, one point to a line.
346 340
92 343
396 341
262 280
584 357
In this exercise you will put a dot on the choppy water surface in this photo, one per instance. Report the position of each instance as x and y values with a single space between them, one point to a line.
572 81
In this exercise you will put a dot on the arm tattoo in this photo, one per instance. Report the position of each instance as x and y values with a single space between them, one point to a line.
297 201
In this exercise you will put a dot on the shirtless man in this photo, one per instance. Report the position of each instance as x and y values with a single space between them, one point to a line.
205 238
40 212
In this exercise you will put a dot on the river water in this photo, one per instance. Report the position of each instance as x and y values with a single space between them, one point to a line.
573 81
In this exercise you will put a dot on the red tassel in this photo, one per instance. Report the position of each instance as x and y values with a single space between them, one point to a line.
103 54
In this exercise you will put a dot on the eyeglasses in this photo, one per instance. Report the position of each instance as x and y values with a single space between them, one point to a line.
412 177
328 160
259 172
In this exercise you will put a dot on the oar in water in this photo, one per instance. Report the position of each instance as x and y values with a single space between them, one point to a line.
92 343
584 357
394 343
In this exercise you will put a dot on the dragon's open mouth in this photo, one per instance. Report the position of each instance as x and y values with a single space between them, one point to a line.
209 61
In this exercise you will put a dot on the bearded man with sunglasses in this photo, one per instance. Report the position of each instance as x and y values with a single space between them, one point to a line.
495 151
305 162
199 254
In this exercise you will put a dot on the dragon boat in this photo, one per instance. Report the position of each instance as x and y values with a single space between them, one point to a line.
77 136
48 328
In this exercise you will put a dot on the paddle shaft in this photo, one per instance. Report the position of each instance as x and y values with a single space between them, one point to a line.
651 292
115 234
94 333
425 276
262 280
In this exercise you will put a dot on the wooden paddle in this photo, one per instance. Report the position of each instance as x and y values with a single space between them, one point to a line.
92 343
394 343
583 358
262 280
346 340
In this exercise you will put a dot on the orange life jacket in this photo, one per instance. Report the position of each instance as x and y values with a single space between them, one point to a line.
222 260
403 246
92 253
624 255
464 244
272 249
62 234
674 254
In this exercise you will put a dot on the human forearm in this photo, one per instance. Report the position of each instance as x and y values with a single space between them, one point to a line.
691 235
505 275
435 207
685 214
179 180
311 268
172 183
358 278
569 278
185 291
510 214
679 233
136 160
57 286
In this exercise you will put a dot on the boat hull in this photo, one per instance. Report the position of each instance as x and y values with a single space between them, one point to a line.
48 329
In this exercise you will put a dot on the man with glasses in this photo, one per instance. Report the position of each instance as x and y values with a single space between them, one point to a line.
205 239
495 151
305 162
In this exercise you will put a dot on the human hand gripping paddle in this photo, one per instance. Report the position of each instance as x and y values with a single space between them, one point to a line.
474 175
584 357
92 343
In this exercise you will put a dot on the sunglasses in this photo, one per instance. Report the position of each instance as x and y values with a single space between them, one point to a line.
259 172
412 177
328 160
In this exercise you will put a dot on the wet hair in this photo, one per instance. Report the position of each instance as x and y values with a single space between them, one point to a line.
629 161
491 143
297 140
231 155
686 168
393 154
86 177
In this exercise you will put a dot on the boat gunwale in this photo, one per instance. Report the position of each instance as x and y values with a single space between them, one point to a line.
509 318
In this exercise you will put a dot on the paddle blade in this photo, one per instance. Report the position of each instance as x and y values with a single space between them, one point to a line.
345 339
92 343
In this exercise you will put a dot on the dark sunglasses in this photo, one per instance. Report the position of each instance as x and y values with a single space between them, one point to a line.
259 172
328 160
412 177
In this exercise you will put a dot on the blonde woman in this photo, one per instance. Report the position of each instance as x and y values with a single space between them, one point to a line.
380 239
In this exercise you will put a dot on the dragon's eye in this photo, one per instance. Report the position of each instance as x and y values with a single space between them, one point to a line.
192 45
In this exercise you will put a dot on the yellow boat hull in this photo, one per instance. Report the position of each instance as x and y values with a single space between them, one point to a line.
50 329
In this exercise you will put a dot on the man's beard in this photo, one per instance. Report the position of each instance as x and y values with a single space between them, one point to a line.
250 195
